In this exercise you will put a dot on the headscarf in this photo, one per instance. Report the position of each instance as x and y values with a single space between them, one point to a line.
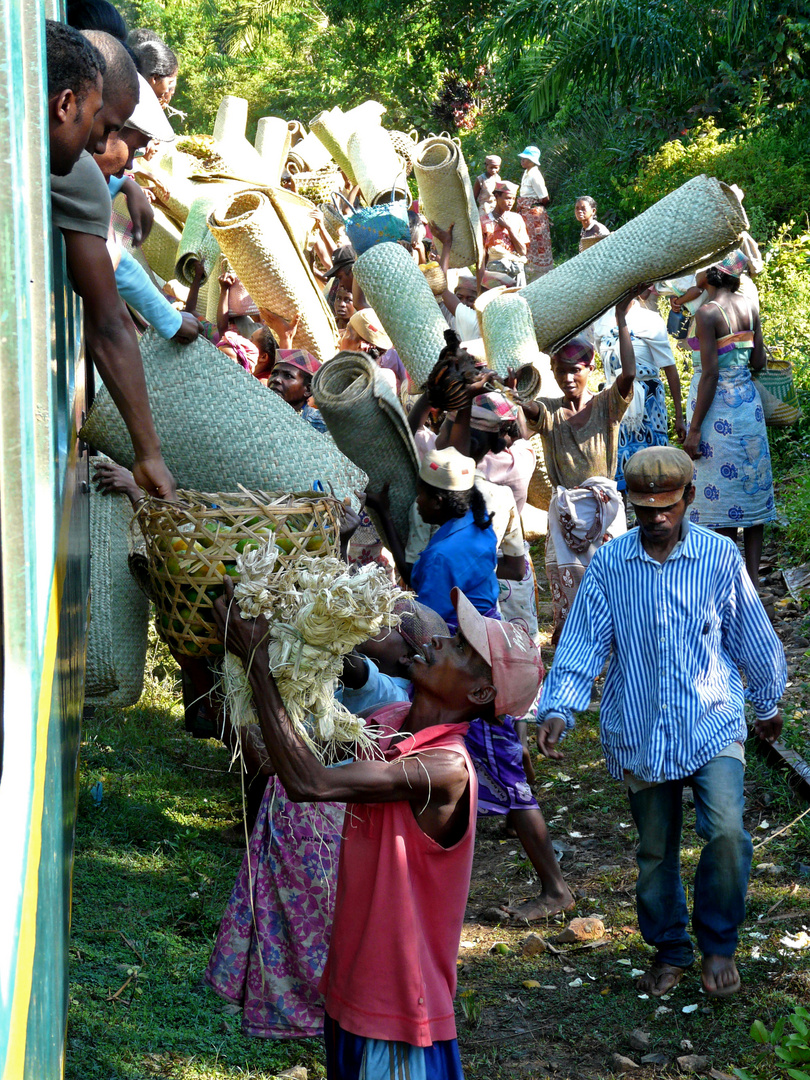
419 623
298 358
493 159
505 185
576 351
490 411
246 352
735 264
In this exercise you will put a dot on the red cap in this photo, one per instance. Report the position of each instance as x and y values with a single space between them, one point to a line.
517 668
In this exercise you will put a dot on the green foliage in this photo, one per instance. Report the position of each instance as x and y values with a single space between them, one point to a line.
791 1047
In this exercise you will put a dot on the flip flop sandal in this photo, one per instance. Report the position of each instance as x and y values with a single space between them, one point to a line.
656 971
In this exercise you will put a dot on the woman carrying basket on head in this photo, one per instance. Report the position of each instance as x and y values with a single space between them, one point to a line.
531 205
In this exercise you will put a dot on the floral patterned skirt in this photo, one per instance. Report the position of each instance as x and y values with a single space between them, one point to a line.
273 939
733 481
539 259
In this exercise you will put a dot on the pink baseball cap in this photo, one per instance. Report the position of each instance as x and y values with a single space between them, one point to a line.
517 667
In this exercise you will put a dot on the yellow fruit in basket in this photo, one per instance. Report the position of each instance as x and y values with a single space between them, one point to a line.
284 544
173 567
179 544
315 543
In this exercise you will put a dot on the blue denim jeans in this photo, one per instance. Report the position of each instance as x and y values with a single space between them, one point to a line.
721 879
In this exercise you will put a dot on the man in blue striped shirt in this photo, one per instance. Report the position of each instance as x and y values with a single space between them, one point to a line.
672 605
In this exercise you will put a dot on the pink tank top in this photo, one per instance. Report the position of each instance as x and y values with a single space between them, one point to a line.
399 909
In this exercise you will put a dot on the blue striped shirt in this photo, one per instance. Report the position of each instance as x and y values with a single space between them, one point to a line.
678 632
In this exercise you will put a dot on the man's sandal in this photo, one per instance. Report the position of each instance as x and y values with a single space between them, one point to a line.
656 973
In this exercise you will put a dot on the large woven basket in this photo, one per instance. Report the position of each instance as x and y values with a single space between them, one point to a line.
273 139
508 333
698 222
397 290
333 220
119 611
272 268
447 197
192 543
220 427
318 186
367 422
377 165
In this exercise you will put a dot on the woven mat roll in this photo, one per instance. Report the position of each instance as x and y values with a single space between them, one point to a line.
508 333
369 426
267 261
698 222
447 197
160 246
377 165
219 427
119 610
273 139
197 241
312 153
171 193
330 127
398 292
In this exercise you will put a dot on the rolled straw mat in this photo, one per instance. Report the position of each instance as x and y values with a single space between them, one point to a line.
310 154
367 422
397 290
509 342
119 610
197 241
334 128
377 165
698 222
447 197
273 139
160 246
259 246
219 427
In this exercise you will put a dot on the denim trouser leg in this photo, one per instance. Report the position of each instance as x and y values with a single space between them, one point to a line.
721 880
660 899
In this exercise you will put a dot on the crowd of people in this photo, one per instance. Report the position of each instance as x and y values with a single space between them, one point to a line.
346 916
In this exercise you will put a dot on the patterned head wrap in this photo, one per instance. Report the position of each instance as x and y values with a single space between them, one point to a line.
490 411
734 264
577 351
246 352
298 358
493 159
419 623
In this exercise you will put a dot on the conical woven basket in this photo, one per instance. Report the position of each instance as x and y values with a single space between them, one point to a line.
377 165
220 427
397 290
368 424
197 242
273 139
447 197
266 260
405 146
119 610
698 222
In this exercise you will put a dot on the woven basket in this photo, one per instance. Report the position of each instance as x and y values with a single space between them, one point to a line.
192 543
397 290
369 426
333 220
446 195
377 165
119 610
508 332
318 186
779 412
777 378
272 268
219 427
330 128
197 241
405 146
540 489
689 228
273 139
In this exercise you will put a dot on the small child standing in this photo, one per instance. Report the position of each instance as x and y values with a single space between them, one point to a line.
592 230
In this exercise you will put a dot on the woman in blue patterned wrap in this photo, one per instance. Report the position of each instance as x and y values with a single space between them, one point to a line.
727 437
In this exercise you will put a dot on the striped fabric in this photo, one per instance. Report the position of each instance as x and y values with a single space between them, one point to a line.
678 632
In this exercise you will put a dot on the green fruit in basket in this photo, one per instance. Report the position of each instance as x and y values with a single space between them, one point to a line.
284 544
184 613
315 543
192 648
214 592
217 649
173 567
247 544
232 572
165 621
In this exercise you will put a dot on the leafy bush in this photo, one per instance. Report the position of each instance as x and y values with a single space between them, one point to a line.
791 1047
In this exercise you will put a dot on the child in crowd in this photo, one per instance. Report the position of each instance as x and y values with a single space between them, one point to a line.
484 186
291 379
592 230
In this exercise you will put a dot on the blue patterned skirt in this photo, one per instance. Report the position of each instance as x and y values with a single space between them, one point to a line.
733 481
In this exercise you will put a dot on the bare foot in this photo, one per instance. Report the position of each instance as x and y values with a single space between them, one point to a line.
660 979
719 976
543 907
